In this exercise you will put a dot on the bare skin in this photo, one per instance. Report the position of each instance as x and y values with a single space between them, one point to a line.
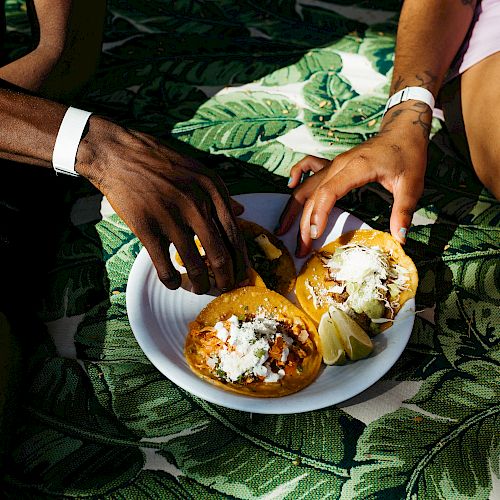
396 157
162 195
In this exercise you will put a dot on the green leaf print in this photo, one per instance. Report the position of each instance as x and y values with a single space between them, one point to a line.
238 461
105 333
156 484
314 61
273 155
67 443
326 91
378 48
359 115
234 120
422 356
145 401
78 278
409 455
160 104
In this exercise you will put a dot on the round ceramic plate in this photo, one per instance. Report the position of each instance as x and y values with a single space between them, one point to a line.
159 319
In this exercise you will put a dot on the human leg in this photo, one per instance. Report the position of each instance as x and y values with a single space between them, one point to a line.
67 44
471 105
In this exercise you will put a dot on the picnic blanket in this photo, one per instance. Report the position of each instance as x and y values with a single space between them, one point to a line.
258 85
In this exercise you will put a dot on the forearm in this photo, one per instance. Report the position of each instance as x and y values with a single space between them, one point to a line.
430 34
29 127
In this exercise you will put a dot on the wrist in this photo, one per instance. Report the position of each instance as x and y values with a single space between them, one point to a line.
410 119
94 148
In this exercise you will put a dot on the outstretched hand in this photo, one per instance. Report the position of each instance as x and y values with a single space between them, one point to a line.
396 158
166 197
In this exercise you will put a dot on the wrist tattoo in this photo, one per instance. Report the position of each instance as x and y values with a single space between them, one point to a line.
423 118
427 79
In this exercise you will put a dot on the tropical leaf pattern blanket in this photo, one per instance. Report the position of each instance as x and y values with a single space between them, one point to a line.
259 85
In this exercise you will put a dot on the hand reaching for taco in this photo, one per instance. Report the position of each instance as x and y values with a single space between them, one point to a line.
271 263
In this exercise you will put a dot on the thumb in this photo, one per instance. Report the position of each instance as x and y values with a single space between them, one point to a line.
406 197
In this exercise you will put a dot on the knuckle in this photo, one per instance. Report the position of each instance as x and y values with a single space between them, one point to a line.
220 262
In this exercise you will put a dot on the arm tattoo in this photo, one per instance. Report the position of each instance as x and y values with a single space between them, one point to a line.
426 79
398 84
422 120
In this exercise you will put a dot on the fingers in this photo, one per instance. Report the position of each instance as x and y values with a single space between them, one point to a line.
318 207
296 202
236 207
406 196
157 245
307 164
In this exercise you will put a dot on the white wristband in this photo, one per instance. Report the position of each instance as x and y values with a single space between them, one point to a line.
68 139
415 93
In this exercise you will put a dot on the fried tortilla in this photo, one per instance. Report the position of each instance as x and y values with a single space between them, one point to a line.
253 341
365 272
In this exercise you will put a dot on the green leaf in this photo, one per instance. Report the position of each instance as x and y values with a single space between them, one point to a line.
145 401
422 356
235 120
232 458
409 455
105 333
273 156
359 115
156 484
378 48
160 103
326 91
312 62
78 278
66 442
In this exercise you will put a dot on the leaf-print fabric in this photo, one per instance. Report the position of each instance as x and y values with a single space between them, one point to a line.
258 85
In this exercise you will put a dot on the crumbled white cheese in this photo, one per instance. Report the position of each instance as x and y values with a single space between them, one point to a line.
246 349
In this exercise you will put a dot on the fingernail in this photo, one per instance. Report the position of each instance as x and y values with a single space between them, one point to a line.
314 231
289 181
402 234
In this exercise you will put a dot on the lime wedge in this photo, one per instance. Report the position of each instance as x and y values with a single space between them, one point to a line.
355 340
331 345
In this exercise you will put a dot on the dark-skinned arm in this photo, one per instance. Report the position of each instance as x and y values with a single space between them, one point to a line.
162 195
429 36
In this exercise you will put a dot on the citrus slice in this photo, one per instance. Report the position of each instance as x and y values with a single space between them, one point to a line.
332 348
356 342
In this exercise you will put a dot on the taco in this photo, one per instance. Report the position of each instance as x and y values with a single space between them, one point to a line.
270 260
365 272
253 341
269 257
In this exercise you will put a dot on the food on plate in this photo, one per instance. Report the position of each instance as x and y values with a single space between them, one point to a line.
272 263
365 273
341 338
269 257
253 341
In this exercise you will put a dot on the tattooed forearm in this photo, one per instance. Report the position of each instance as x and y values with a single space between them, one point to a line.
427 80
398 84
422 118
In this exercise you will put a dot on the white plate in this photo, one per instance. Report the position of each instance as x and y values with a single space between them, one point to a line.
159 319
